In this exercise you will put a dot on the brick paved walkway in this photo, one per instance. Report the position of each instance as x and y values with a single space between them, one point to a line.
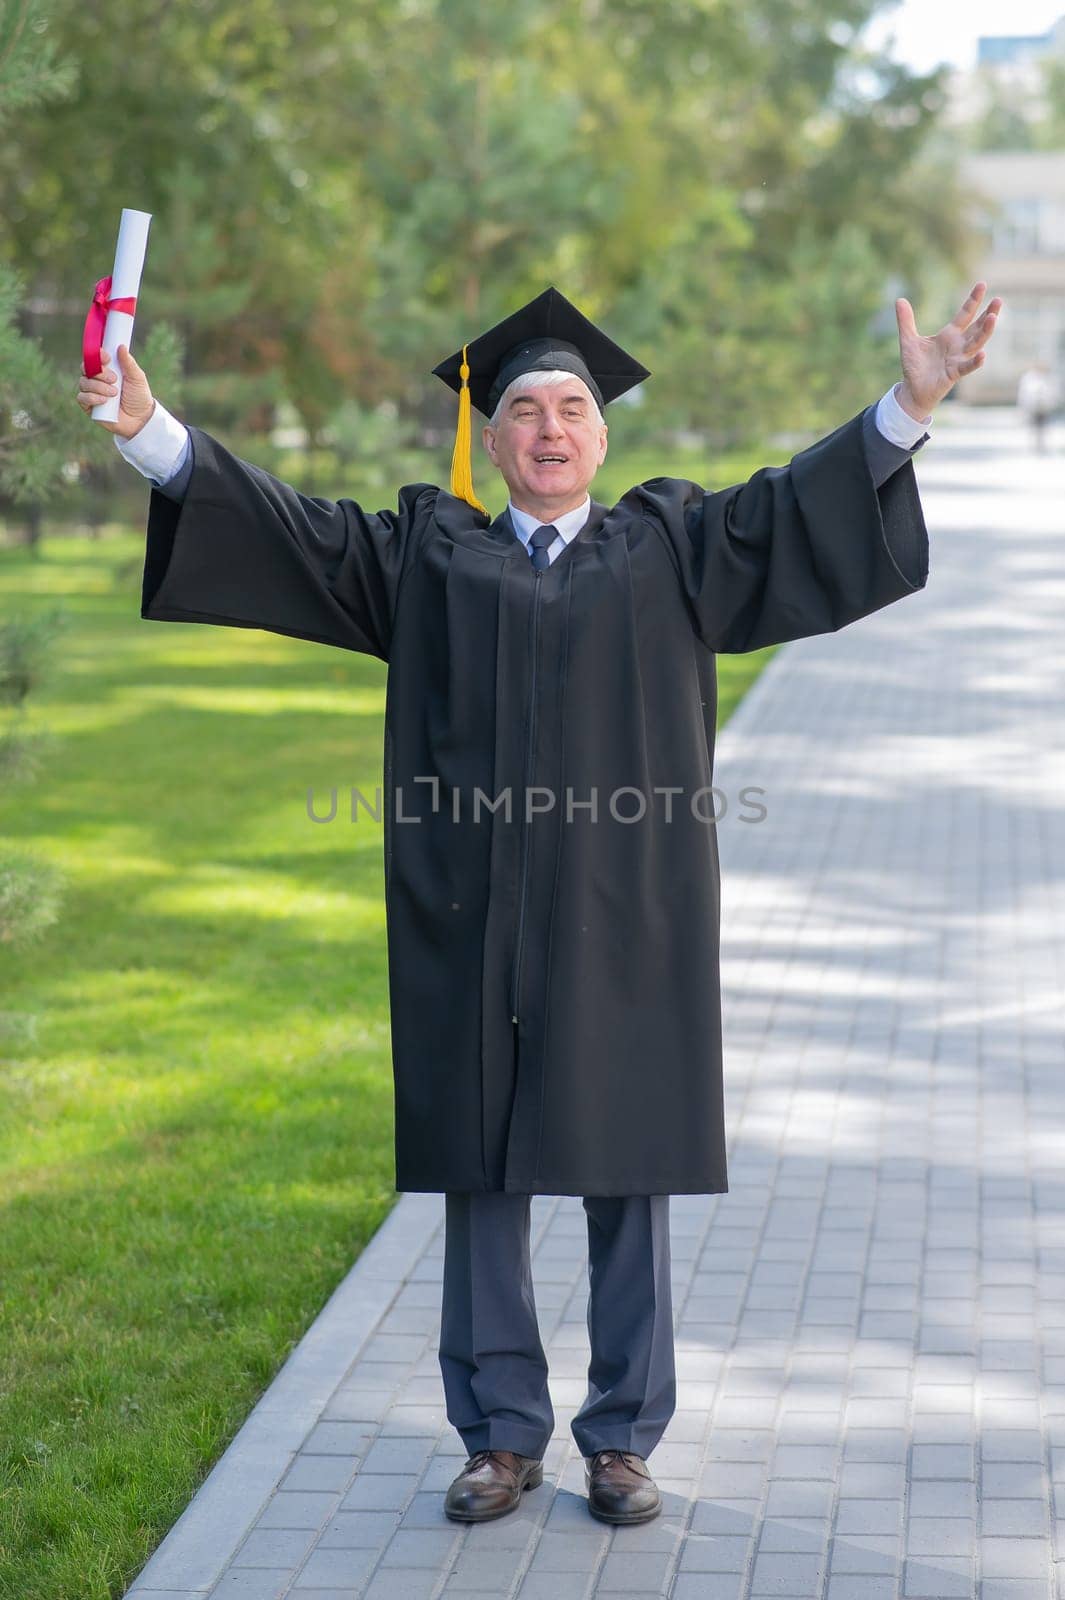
871 1324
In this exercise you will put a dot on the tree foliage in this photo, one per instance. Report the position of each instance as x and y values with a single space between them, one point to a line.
342 193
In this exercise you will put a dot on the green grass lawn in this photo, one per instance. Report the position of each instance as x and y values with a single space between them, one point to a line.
198 1142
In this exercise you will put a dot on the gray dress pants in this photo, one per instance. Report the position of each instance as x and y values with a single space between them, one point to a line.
491 1358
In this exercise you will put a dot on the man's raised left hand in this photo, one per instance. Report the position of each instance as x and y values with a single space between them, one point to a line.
932 365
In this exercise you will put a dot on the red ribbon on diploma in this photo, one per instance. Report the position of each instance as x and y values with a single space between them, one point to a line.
96 321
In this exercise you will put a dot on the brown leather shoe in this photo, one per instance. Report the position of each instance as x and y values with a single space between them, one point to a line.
620 1487
491 1484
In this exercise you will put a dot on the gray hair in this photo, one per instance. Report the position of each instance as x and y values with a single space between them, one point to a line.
540 380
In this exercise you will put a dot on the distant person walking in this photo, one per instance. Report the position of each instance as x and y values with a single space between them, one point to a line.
1038 396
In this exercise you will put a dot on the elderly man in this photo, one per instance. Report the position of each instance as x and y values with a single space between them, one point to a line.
551 862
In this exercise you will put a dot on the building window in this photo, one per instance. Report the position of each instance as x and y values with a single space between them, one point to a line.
1027 323
1029 226
1016 228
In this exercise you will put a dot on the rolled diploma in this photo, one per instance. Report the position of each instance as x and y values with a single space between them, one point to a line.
125 280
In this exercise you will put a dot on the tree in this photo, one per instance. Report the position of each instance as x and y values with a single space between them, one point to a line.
343 192
40 439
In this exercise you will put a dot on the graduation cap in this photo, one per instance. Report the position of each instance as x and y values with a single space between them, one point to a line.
548 334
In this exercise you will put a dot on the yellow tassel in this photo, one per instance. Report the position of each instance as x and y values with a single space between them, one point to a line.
461 468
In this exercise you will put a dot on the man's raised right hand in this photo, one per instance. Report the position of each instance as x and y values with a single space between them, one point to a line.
137 403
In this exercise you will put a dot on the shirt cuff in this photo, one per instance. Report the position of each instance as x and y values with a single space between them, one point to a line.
158 448
896 424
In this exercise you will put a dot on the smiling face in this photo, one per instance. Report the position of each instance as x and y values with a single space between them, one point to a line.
548 444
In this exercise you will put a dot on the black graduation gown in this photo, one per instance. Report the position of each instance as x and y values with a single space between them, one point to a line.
553 975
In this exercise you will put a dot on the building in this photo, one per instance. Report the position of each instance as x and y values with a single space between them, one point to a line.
1018 212
1020 220
998 50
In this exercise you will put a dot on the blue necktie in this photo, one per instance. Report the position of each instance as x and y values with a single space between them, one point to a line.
540 539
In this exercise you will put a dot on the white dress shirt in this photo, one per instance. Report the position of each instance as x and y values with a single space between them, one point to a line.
160 448
569 525
896 424
157 450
